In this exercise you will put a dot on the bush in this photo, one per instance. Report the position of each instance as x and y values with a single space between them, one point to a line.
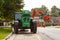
54 24
48 24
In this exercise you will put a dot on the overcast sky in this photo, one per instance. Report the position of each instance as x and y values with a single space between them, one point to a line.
29 4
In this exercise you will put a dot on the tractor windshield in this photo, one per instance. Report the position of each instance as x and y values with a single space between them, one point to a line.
18 16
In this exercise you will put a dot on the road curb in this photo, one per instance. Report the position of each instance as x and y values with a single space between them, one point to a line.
8 36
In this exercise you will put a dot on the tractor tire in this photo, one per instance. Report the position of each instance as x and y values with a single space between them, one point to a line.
15 30
31 29
34 28
31 25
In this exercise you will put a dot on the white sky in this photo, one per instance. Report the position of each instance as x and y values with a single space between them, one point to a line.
29 4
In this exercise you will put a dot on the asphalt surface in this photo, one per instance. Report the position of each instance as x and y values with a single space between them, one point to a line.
48 33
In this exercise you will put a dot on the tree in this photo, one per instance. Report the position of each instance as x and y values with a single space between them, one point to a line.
53 15
55 11
11 6
1 8
1 3
44 9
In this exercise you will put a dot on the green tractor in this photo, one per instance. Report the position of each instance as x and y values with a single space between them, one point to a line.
23 21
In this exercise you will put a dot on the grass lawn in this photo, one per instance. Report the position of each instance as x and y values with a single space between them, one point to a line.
4 32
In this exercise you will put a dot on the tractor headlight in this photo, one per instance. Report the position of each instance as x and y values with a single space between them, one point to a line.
16 21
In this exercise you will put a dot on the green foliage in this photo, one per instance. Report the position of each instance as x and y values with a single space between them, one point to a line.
55 11
37 15
44 9
54 24
11 6
54 15
1 3
48 24
4 32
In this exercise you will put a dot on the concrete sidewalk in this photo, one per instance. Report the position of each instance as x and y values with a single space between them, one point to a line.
25 37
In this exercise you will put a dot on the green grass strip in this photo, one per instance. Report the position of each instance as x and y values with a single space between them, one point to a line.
4 32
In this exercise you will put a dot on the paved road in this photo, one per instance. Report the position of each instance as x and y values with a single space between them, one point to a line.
48 33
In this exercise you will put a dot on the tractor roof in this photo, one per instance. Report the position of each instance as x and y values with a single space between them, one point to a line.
26 12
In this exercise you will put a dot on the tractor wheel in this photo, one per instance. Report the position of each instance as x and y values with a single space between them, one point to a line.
31 29
34 28
15 30
31 25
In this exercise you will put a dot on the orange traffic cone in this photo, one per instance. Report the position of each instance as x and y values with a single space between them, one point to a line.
44 25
